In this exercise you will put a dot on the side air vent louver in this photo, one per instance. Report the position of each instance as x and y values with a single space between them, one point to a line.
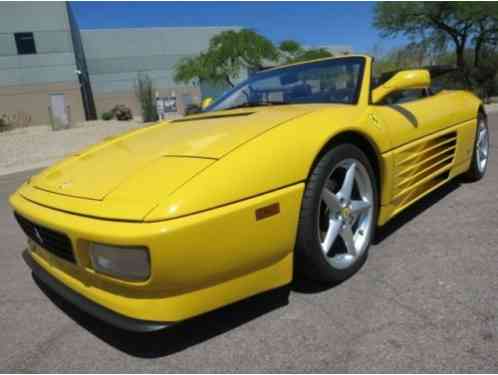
420 167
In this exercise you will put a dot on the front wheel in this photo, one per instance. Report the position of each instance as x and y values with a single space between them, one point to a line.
338 215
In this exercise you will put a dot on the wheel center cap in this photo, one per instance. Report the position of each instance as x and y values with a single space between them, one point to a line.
345 212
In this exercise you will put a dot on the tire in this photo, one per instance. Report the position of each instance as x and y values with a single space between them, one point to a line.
323 215
480 154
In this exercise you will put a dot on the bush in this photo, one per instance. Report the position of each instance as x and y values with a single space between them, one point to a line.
106 116
192 109
144 90
4 124
122 113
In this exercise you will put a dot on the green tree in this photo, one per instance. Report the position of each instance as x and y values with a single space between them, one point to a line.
292 52
197 68
228 54
290 48
463 25
232 52
409 56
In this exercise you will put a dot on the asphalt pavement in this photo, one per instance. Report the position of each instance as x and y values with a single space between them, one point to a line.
426 299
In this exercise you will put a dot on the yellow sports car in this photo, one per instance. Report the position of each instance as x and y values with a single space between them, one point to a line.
295 166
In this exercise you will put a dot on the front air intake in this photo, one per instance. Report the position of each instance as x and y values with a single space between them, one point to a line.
54 242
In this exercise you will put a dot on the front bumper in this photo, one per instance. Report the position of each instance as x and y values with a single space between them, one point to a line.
198 263
87 305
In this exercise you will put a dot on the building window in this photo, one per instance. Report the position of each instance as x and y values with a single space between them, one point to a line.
25 43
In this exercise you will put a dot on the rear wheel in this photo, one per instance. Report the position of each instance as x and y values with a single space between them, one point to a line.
338 215
480 155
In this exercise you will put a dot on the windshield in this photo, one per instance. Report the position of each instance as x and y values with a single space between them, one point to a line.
328 81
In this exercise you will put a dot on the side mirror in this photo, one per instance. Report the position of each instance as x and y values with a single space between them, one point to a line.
404 80
206 102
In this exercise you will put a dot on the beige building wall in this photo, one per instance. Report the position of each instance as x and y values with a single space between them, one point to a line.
116 57
106 101
26 105
28 78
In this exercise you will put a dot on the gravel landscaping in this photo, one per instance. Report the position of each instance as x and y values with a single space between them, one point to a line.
39 146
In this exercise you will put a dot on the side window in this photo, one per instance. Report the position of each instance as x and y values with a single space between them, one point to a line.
25 43
405 96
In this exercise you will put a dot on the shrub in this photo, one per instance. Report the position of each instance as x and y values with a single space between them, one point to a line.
192 109
144 90
5 124
106 116
122 113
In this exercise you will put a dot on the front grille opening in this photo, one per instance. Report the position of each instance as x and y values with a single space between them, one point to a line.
54 242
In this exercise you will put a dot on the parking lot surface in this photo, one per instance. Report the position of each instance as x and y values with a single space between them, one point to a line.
426 299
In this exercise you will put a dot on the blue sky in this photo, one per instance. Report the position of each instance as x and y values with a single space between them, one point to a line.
310 23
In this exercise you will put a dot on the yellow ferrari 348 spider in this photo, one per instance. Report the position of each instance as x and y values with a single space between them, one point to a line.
295 166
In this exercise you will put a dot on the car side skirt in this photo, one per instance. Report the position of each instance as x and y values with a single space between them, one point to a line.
441 159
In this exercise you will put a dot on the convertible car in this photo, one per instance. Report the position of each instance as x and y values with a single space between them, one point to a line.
292 169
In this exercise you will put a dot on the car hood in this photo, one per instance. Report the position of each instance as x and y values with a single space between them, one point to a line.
137 169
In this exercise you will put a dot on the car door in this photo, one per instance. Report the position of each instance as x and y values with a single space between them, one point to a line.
424 141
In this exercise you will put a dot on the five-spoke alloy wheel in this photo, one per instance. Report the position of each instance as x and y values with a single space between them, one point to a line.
345 214
338 215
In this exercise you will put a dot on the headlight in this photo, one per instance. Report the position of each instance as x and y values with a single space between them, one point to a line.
130 263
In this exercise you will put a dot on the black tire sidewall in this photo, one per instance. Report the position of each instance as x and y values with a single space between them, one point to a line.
309 256
474 174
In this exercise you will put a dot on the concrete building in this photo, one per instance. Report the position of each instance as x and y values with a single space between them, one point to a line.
53 72
37 64
115 57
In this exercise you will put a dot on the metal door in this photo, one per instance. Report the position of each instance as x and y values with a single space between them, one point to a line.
58 111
